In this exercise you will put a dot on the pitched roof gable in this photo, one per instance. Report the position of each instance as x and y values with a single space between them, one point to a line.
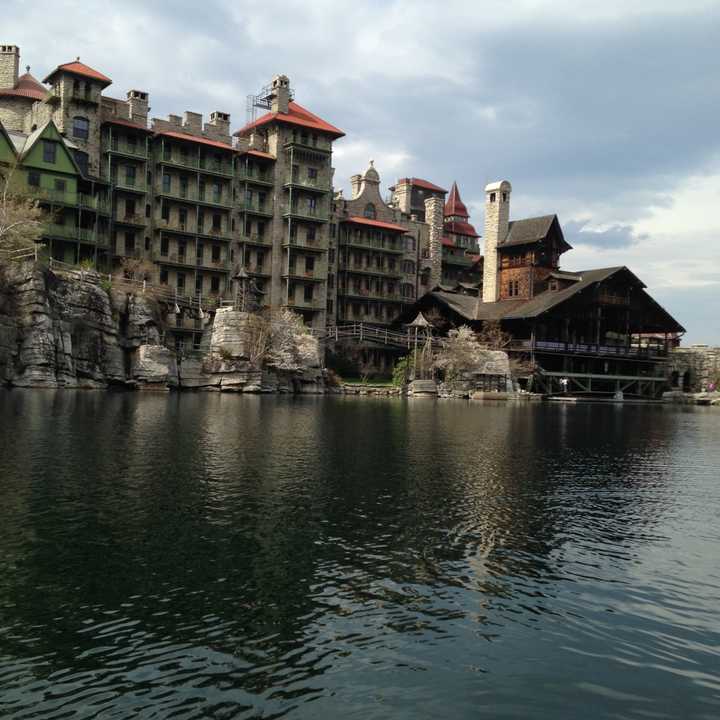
296 115
48 131
81 69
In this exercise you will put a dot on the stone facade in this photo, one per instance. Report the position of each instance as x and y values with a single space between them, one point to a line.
695 368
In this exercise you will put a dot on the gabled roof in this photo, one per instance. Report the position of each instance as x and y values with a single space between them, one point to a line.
9 140
374 223
26 87
78 68
296 115
455 205
419 182
34 136
194 138
532 230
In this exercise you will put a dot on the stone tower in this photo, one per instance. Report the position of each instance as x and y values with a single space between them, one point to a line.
497 218
9 66
434 218
280 97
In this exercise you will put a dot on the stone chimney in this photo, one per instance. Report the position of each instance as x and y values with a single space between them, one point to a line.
434 219
401 195
192 122
138 101
497 217
9 66
280 97
355 184
219 126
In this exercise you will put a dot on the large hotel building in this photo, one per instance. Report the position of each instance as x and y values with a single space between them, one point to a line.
207 205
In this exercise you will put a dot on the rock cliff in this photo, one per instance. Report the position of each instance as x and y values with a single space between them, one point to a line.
72 330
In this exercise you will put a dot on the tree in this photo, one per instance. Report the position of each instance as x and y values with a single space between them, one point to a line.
137 269
21 217
493 336
460 351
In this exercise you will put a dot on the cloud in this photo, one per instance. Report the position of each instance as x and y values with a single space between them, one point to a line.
578 232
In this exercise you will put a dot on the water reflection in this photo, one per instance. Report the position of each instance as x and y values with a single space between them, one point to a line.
213 556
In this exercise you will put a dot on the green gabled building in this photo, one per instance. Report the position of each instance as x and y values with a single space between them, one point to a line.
45 168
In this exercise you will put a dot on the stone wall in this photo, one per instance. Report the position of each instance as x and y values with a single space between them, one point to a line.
694 368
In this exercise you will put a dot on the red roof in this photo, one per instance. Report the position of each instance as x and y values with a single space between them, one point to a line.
126 123
296 115
78 68
375 223
422 183
26 86
460 228
447 242
454 205
258 154
195 139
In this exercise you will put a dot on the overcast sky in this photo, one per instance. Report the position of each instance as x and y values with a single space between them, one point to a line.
605 112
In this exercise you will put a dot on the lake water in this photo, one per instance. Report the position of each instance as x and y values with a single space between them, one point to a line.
208 556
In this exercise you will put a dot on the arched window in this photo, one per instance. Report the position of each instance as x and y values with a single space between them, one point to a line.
369 211
81 127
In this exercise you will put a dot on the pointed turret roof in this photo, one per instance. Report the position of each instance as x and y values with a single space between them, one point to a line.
26 86
454 204
81 69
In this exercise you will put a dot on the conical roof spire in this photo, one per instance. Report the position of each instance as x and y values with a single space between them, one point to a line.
454 205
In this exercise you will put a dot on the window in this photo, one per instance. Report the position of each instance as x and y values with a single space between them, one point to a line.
200 221
182 218
309 264
330 307
331 281
504 197
180 281
166 180
130 175
248 228
408 267
216 253
261 200
492 197
147 243
165 213
129 207
129 242
132 143
310 234
217 221
81 128
82 161
410 243
60 185
312 173
199 251
163 277
199 283
49 151
261 229
214 284
312 204
333 231
331 256
369 211
183 186
182 247
201 190
308 293
164 247
217 192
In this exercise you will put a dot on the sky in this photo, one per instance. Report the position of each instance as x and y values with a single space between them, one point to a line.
605 112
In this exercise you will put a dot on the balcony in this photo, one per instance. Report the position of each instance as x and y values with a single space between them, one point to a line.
385 245
175 226
302 304
552 346
129 184
317 275
311 184
371 270
316 245
76 234
188 260
262 270
464 261
319 215
197 164
136 151
98 204
57 197
264 240
322 145
367 294
192 196
134 220
255 208
254 177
